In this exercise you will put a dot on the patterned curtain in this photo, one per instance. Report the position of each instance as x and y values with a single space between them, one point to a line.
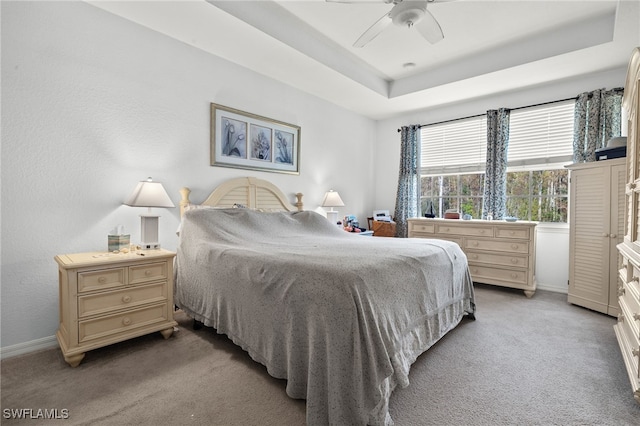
408 196
596 120
495 178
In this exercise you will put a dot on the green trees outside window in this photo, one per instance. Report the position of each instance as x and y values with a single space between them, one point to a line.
537 195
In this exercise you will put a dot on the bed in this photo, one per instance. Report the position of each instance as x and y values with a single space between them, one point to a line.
340 316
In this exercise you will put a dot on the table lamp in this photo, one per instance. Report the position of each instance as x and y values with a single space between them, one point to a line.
149 194
332 199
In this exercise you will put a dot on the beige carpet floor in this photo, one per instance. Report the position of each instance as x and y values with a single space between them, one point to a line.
536 361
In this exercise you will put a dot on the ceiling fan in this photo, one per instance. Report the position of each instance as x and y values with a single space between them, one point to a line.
404 13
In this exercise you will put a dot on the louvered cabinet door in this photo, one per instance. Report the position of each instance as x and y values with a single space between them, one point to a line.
596 220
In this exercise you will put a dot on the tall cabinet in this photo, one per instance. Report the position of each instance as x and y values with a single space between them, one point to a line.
627 328
597 226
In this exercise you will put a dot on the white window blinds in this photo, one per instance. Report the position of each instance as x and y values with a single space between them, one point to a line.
541 134
458 146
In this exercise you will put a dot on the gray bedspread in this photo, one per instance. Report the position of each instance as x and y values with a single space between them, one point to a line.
340 316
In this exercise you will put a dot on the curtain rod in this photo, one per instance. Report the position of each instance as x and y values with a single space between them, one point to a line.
512 109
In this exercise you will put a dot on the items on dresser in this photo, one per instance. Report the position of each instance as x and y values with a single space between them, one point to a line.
107 298
628 327
499 253
596 218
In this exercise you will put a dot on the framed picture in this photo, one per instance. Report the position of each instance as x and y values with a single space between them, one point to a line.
247 141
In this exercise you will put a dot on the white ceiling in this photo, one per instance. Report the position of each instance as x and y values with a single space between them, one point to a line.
490 46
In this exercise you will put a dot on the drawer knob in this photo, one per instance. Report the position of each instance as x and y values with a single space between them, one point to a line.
126 299
126 321
474 256
613 235
514 275
482 231
635 352
446 229
514 260
514 246
475 271
102 280
147 272
621 291
620 318
605 235
475 244
636 279
512 232
636 317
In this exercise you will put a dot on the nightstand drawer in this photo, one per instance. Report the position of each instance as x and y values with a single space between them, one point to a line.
495 245
147 272
100 303
518 261
105 326
101 279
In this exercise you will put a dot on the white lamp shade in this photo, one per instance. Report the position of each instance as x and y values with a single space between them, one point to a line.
332 199
149 194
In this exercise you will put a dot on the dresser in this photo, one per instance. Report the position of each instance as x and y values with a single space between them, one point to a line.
596 218
110 297
499 252
627 328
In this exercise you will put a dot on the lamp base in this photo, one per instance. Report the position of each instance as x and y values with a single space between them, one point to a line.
332 216
149 232
149 246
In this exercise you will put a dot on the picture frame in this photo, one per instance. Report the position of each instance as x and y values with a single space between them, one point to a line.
243 140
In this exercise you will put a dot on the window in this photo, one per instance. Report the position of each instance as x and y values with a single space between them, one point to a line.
540 143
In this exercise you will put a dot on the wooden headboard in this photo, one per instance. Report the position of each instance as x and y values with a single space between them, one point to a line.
249 192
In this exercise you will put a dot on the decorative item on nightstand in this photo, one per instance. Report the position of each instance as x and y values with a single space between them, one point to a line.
332 199
149 194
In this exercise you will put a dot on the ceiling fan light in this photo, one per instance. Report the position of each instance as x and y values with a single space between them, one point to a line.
408 12
408 17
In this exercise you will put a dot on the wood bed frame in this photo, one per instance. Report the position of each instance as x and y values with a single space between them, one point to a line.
250 192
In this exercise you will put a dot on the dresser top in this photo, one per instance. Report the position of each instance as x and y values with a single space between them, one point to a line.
475 222
78 260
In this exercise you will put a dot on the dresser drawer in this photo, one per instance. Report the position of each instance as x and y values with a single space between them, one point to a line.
630 306
478 273
629 327
422 227
101 279
453 229
147 272
494 245
518 261
100 303
521 233
102 327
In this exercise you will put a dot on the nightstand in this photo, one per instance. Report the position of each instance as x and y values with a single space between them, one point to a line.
106 298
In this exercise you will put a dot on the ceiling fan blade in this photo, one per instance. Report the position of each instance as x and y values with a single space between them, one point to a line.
373 31
429 28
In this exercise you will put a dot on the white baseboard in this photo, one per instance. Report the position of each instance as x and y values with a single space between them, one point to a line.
552 288
26 347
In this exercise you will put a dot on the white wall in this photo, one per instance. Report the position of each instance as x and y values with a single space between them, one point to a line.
91 104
